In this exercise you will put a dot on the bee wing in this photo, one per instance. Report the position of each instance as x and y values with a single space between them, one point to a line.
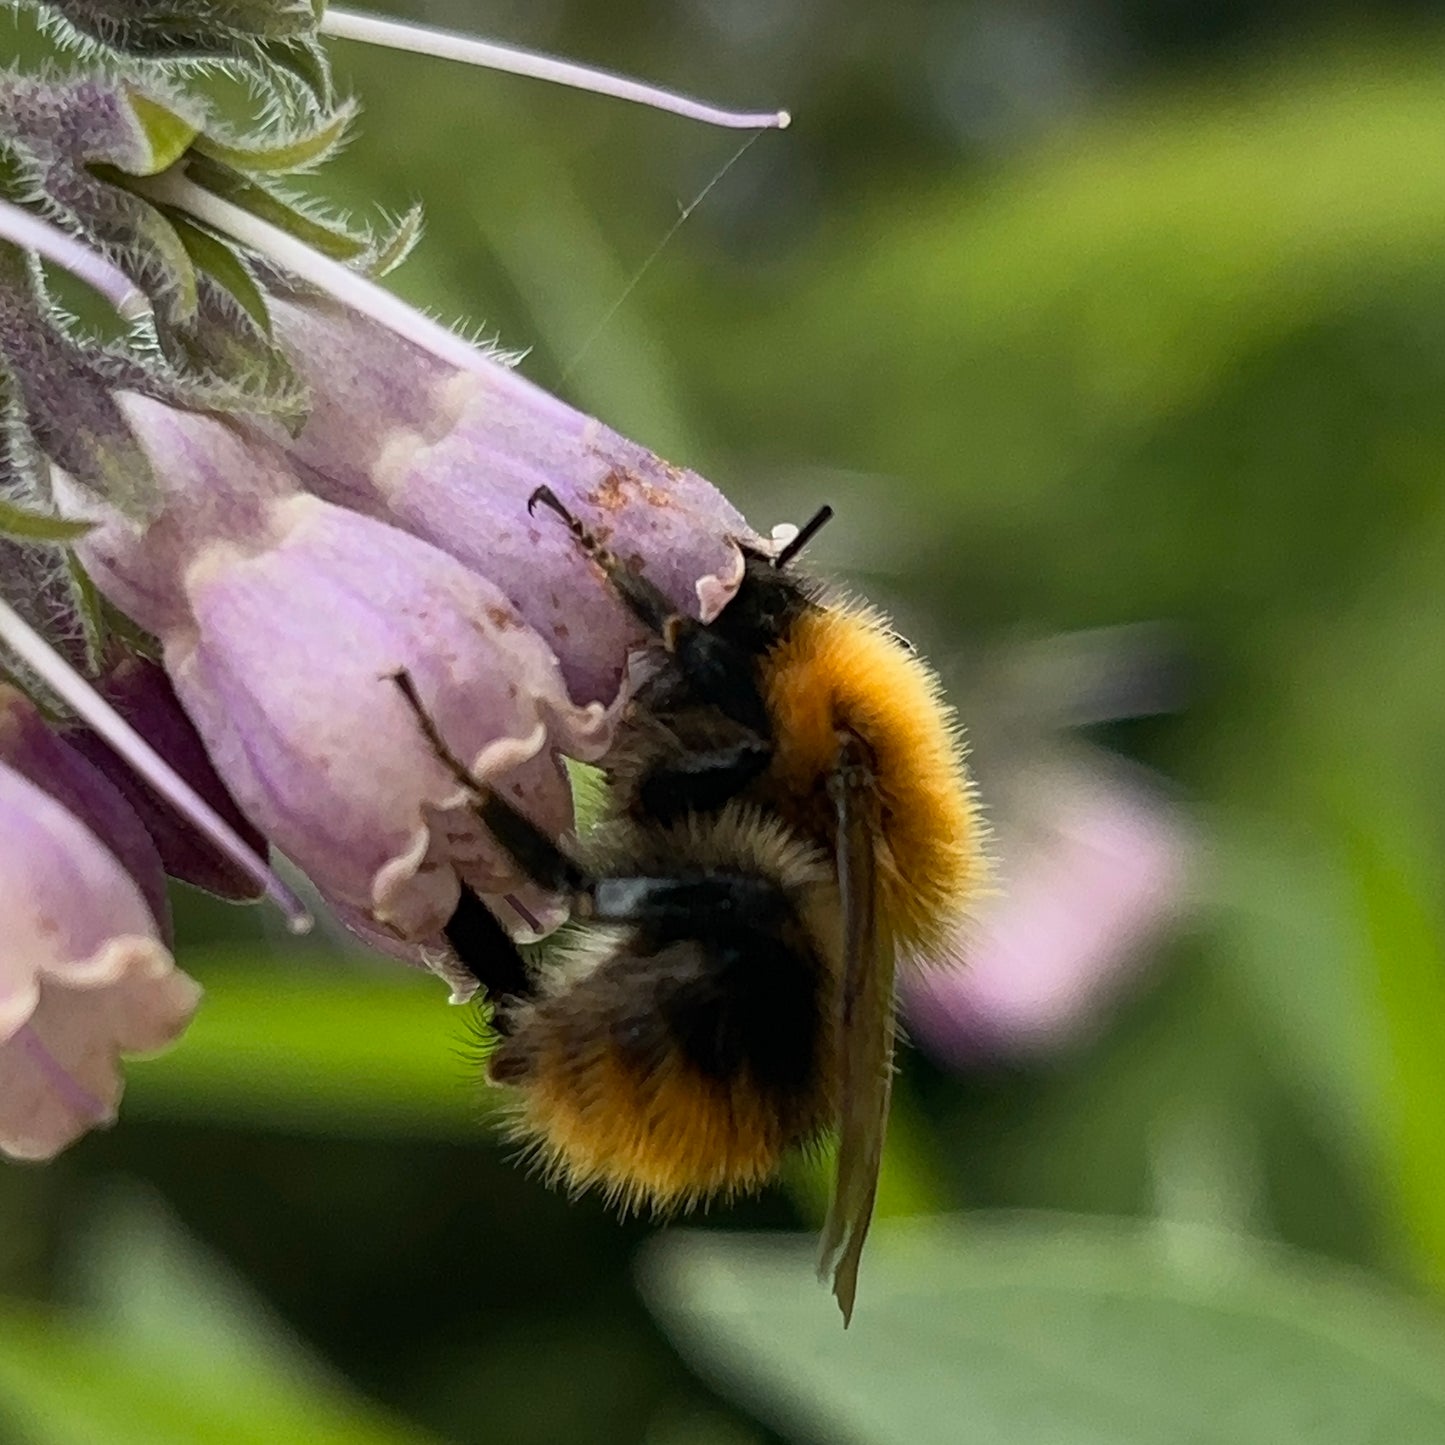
865 1038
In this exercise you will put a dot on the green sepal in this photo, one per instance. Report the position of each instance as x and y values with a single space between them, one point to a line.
90 608
169 135
291 154
393 249
155 257
233 364
223 266
60 396
30 526
331 240
304 61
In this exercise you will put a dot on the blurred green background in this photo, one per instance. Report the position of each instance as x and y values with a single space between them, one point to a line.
1082 313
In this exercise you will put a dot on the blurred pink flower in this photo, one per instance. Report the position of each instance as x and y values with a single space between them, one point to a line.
1093 866
85 977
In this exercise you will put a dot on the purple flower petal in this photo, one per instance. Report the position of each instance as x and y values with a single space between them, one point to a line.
84 975
141 692
286 671
282 620
219 485
34 750
452 457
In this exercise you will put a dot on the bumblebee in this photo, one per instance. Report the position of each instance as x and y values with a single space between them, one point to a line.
788 815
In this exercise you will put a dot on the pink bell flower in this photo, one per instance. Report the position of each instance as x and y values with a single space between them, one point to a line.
85 976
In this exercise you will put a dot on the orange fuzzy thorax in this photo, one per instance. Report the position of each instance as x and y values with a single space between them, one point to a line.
842 668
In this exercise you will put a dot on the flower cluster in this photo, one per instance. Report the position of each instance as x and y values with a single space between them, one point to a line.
227 528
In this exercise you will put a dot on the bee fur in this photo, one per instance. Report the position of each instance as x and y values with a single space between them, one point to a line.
788 810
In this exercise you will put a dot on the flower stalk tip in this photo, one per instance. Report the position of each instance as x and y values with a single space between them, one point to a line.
448 45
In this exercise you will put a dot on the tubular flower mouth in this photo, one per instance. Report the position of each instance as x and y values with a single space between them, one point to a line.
225 531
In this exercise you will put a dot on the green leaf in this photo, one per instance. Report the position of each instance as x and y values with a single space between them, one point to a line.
335 1049
16 521
1407 951
289 155
1038 1330
589 792
1281 895
178 1352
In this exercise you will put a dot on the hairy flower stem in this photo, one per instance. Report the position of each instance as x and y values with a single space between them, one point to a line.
37 654
447 45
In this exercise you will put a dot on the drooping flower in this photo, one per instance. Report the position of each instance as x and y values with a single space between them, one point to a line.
284 580
453 455
283 619
85 975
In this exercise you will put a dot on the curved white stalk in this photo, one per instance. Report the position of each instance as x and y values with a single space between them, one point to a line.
32 233
448 45
51 668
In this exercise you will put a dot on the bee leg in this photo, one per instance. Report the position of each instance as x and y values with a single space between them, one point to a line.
457 768
487 951
693 906
534 853
645 602
482 946
718 669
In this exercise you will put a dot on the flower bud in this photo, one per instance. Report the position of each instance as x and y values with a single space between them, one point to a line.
84 975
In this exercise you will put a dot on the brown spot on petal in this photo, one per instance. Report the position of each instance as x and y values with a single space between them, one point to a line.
517 790
561 632
610 494
503 620
621 487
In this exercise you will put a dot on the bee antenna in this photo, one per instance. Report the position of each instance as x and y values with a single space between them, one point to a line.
806 533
